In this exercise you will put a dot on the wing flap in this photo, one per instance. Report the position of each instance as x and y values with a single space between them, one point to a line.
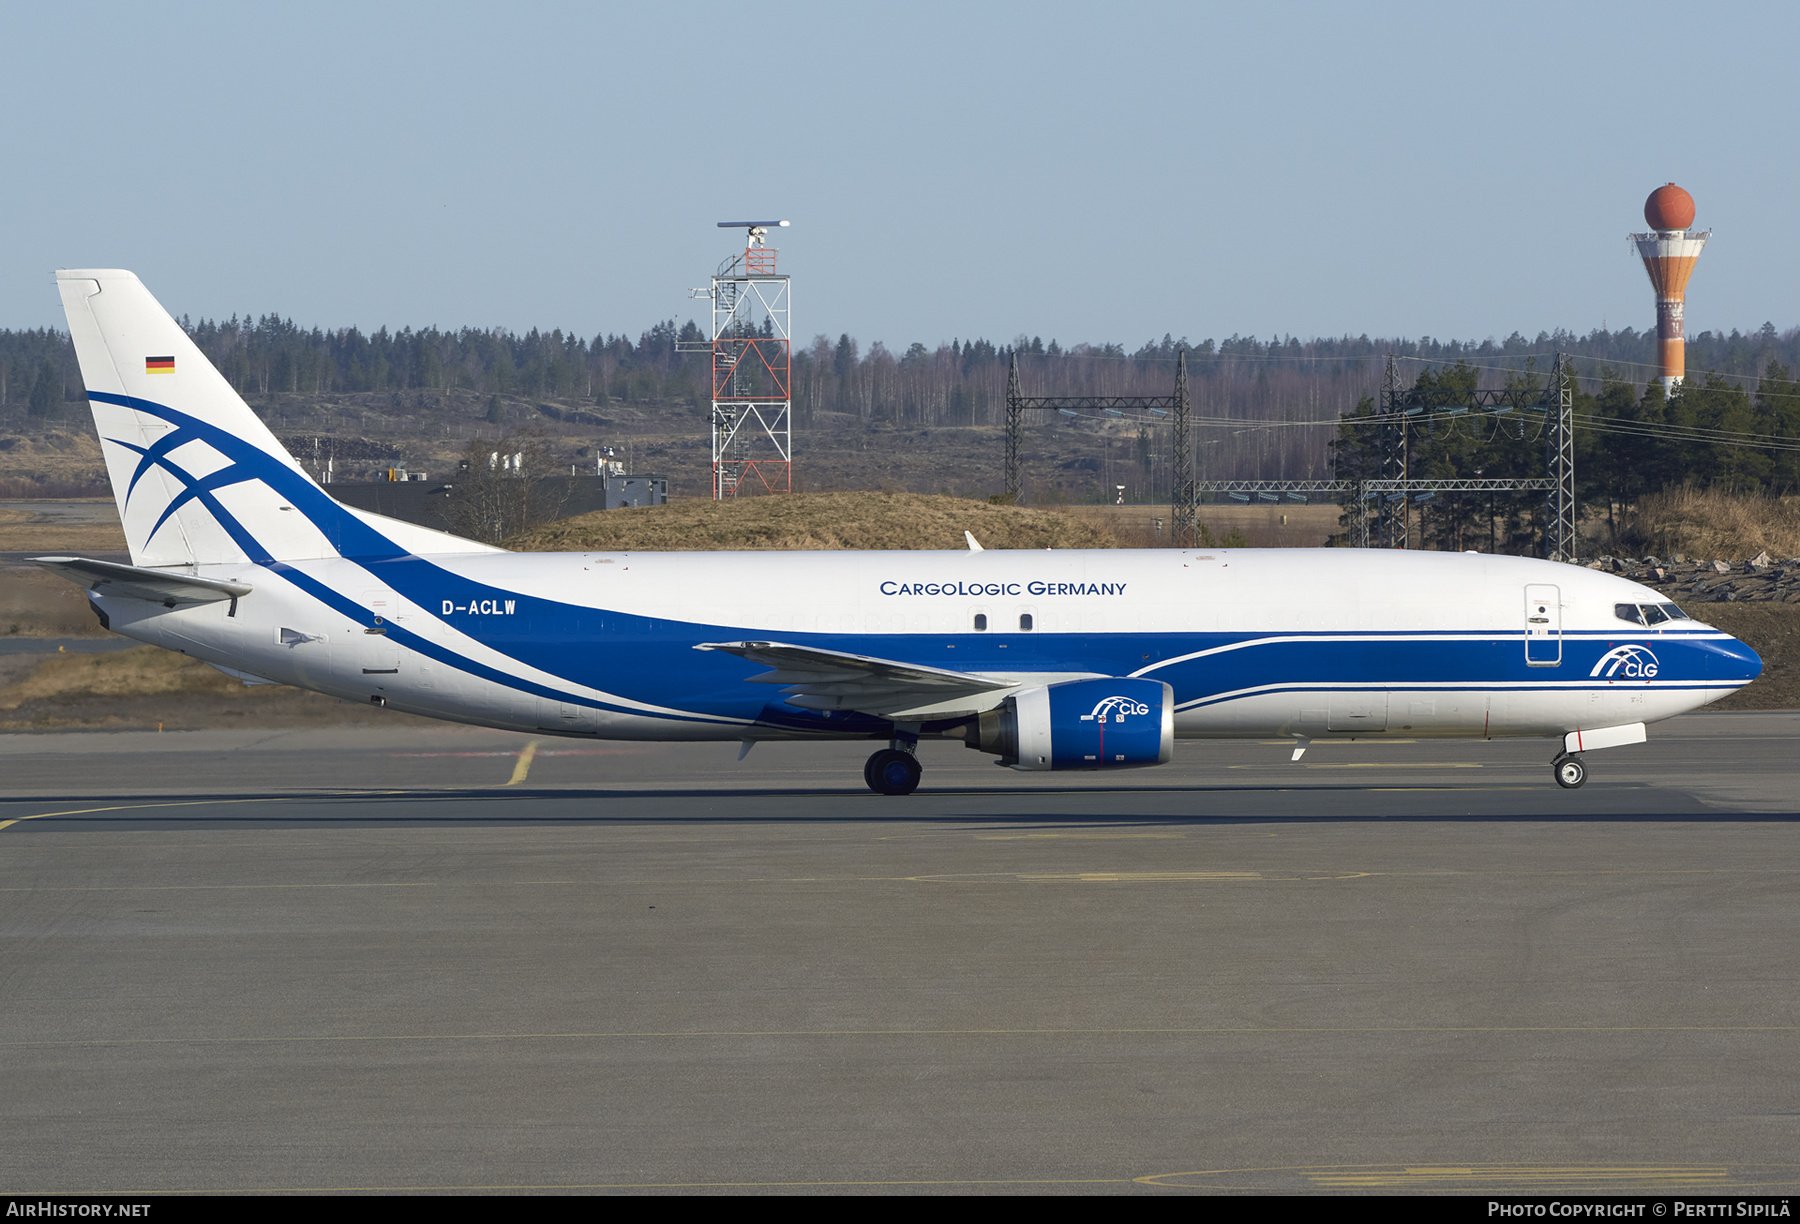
816 679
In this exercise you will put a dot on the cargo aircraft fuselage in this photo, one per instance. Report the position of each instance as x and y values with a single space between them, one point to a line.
1046 660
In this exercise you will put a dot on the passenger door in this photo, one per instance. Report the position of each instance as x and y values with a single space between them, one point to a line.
1543 625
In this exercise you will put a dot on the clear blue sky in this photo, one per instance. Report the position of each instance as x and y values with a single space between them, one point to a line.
1089 172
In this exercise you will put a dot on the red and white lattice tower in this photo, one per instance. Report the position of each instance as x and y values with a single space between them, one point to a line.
1670 252
752 370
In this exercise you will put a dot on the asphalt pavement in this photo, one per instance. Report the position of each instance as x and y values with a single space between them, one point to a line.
409 959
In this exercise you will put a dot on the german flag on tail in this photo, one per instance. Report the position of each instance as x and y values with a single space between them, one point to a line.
159 365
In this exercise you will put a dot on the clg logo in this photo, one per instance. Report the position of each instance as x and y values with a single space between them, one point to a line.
1118 707
1627 662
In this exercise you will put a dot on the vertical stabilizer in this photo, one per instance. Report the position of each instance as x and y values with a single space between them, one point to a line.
198 477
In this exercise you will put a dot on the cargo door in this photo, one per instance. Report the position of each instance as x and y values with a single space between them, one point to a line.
380 653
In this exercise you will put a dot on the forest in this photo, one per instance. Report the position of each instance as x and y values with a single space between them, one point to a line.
1280 408
1733 435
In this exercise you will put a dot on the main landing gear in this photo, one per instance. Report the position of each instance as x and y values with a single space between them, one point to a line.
1570 771
895 770
892 772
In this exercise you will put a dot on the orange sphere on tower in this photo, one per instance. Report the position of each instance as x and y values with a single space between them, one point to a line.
1669 208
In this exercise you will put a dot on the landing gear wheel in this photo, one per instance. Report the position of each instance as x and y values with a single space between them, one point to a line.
892 772
1570 772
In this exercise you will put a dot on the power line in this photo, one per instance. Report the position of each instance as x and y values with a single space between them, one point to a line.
1602 361
1197 355
1719 438
1695 432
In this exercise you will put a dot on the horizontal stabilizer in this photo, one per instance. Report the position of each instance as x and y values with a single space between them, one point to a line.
834 680
135 582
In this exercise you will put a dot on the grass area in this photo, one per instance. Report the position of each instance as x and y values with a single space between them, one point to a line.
1709 523
142 671
149 688
1257 525
817 521
36 603
22 531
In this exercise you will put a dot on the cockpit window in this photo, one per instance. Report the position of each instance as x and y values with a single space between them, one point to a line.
1649 614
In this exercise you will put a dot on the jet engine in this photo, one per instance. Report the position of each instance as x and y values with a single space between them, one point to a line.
1080 724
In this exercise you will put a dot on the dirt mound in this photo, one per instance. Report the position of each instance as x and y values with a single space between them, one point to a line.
816 521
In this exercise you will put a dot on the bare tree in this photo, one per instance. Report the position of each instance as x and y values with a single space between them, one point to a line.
505 486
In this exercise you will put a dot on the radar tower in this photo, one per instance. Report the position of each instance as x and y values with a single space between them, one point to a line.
751 343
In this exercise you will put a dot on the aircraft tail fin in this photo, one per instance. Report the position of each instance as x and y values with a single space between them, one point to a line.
189 462
200 480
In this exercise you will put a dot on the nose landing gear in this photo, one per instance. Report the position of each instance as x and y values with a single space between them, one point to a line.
1569 771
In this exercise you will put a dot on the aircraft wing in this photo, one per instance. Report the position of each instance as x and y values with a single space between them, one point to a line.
159 586
817 679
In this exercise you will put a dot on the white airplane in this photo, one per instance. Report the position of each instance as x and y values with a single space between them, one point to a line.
1045 660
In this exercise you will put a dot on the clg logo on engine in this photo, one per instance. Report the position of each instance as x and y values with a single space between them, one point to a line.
1627 663
1117 707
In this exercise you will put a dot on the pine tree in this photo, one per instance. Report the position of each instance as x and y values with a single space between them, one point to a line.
1778 413
46 392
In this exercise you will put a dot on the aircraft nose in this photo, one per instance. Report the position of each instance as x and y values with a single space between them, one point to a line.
1741 662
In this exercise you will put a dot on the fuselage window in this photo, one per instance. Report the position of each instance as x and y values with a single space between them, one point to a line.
981 622
1025 621
1628 612
1654 614
1674 612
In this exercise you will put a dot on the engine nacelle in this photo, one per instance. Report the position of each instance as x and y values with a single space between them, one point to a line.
1081 724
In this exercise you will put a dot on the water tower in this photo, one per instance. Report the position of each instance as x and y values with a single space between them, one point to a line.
1670 252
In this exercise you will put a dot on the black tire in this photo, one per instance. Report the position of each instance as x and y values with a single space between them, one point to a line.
1570 772
892 772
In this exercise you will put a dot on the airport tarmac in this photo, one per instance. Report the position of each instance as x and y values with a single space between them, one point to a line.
406 959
